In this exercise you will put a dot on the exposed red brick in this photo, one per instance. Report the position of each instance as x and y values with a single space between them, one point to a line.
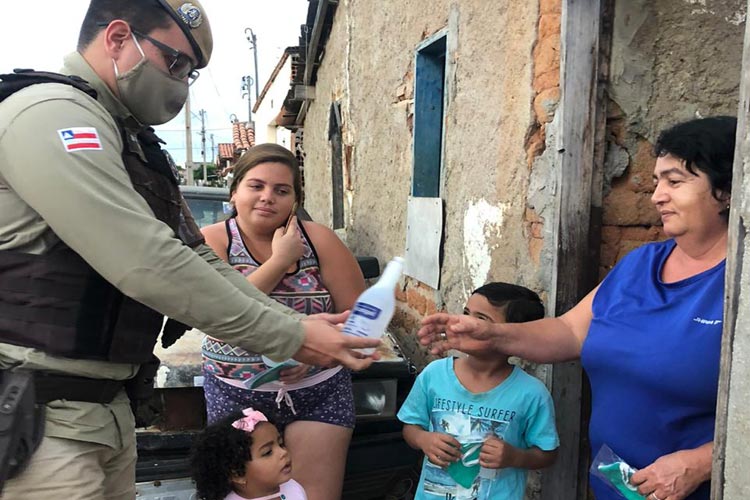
532 216
611 234
642 234
641 169
547 55
550 6
431 307
545 103
535 250
623 207
536 229
547 80
614 111
416 301
549 24
535 146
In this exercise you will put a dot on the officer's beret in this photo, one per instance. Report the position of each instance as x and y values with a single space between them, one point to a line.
191 18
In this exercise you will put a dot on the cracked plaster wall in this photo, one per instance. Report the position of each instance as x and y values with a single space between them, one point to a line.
490 119
369 66
672 60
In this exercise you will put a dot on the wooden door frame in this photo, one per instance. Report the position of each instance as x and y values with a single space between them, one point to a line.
731 457
585 40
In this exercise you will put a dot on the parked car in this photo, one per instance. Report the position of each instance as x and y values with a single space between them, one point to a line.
208 204
380 464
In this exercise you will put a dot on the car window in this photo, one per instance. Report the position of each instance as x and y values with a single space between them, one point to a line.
206 211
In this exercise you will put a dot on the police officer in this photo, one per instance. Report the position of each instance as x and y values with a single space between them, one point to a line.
95 238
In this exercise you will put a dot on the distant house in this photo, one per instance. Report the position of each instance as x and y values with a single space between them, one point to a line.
226 158
268 112
243 138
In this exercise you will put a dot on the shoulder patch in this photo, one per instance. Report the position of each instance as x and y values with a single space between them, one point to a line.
80 139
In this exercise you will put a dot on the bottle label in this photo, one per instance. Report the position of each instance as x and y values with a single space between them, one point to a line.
359 323
366 310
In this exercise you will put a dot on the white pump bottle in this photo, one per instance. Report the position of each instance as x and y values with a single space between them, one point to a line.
375 306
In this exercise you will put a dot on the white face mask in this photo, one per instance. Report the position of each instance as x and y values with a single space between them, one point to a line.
152 96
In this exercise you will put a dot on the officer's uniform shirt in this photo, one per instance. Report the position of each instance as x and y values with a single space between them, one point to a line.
85 198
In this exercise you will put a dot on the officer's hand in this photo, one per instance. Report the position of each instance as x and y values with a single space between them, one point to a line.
336 320
325 346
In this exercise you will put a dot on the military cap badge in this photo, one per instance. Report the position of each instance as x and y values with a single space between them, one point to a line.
191 15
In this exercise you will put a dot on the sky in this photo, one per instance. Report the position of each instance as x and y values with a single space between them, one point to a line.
53 33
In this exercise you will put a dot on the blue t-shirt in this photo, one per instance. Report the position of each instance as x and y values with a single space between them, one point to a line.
519 410
652 357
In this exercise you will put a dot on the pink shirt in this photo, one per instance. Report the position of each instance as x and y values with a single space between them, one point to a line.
291 490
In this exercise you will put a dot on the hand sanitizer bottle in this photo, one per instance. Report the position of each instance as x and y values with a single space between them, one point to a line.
374 308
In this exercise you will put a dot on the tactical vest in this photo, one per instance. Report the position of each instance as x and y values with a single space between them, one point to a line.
56 302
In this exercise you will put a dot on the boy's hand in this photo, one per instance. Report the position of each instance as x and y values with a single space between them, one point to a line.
497 454
440 449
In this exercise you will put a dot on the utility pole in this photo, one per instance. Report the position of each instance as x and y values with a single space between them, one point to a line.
247 82
202 114
188 144
254 47
213 150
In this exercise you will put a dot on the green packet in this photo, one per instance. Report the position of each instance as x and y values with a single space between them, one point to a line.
465 470
270 375
615 472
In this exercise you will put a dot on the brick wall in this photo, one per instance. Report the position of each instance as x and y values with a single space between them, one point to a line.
629 219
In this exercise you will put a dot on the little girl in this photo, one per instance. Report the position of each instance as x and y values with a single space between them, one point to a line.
243 457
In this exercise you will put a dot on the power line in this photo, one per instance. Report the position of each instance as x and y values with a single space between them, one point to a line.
182 130
216 89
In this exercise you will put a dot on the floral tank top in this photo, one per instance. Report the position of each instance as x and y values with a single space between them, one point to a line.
302 290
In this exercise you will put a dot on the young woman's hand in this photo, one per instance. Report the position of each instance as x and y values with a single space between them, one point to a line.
294 374
440 449
288 247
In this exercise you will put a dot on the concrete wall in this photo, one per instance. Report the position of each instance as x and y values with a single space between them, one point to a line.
672 60
266 129
369 68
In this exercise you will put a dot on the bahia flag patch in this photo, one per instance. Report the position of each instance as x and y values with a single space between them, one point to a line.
80 139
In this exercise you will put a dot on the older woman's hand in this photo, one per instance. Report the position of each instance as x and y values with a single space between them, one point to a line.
443 332
674 476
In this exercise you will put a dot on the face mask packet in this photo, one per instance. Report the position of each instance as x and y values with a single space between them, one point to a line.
615 472
465 470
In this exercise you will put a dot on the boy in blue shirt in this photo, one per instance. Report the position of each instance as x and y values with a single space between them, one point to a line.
480 421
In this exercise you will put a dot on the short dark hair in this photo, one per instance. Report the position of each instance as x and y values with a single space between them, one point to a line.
519 303
267 153
220 453
705 144
143 15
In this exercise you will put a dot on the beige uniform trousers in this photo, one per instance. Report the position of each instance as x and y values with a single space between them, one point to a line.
77 470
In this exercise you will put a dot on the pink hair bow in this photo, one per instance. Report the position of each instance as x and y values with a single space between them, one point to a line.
249 421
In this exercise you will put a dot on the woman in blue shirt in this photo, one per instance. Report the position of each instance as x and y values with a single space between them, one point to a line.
649 335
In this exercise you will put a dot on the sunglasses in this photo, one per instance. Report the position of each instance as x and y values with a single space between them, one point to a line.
180 65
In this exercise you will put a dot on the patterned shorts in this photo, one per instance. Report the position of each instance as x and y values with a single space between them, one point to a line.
330 402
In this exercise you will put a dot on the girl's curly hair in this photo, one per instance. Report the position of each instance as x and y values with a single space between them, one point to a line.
220 453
